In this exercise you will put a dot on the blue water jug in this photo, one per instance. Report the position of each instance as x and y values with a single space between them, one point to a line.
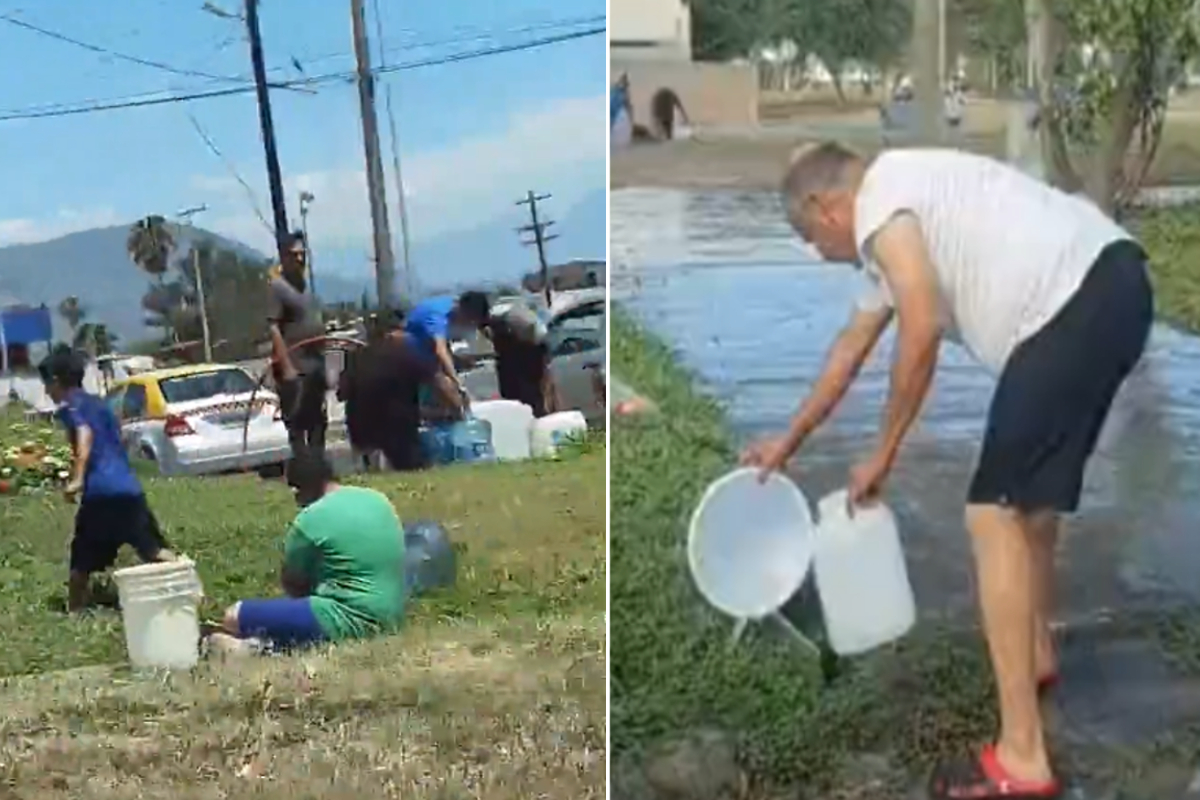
449 442
429 558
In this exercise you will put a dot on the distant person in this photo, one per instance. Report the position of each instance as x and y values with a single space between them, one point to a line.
342 574
518 336
432 323
298 350
112 506
1045 291
663 108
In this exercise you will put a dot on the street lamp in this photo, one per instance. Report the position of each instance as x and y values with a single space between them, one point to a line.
185 217
306 198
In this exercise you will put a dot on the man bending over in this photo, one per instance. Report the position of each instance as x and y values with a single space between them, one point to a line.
1044 290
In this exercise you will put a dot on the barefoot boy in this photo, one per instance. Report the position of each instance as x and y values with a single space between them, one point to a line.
112 507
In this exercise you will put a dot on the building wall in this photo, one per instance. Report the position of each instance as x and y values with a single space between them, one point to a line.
711 93
650 29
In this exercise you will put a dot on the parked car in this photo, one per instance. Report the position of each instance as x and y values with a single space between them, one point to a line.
577 338
191 420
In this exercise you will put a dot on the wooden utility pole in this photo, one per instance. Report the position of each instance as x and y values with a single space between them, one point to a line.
538 227
274 177
925 57
385 264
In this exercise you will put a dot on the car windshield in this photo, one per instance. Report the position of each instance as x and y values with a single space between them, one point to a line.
203 385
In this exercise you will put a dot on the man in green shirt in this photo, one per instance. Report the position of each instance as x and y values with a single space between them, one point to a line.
342 572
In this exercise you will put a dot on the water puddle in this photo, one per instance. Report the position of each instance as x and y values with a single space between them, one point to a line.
722 278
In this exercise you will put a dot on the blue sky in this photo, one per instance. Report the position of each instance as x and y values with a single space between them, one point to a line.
474 135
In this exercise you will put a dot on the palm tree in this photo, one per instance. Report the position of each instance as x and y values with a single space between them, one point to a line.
95 338
150 244
73 312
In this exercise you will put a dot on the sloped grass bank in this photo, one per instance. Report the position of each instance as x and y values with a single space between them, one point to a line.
874 727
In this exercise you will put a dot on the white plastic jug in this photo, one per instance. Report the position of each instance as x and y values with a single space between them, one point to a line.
511 423
159 608
861 577
549 432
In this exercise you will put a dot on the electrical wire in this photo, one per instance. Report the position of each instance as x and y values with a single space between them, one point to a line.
336 77
232 170
247 79
118 55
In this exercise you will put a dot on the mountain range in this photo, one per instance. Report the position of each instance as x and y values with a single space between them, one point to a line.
94 266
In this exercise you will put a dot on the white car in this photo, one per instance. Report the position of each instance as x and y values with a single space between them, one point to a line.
198 420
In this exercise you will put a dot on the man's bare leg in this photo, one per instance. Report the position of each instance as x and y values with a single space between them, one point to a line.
1041 531
1004 567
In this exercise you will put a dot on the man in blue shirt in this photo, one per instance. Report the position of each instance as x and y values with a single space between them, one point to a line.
112 506
429 325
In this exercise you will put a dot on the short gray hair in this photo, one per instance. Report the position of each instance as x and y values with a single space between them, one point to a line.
815 168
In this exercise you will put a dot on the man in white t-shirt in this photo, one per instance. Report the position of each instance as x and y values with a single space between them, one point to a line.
1044 290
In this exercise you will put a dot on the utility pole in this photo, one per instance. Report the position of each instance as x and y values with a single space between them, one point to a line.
924 56
306 199
538 228
385 264
185 218
274 177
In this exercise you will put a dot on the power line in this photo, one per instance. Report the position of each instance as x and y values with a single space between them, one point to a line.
118 55
104 51
335 77
201 92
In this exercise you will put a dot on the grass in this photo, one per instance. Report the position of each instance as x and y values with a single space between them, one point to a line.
672 668
494 689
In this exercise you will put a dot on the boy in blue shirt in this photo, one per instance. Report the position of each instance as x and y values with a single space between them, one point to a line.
427 330
112 506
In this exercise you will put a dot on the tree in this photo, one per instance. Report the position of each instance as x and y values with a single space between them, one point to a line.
1104 71
72 312
150 244
95 338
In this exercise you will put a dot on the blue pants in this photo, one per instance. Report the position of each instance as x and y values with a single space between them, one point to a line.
284 622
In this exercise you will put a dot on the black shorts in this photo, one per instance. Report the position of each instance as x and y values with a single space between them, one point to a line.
1058 385
103 524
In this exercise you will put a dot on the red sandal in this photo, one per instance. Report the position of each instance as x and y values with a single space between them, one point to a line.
985 778
1047 683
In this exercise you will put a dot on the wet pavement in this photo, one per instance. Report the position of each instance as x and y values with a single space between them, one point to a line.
721 277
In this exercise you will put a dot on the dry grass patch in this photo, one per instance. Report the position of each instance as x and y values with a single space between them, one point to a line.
503 710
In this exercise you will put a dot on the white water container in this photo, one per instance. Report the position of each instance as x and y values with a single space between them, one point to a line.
861 577
159 608
512 422
552 430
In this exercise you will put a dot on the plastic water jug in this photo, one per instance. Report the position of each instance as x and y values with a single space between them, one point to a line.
553 430
159 609
429 558
862 580
468 440
511 423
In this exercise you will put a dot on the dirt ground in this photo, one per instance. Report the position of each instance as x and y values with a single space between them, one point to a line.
754 159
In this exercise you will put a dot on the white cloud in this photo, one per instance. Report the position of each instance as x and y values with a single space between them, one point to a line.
558 148
67 220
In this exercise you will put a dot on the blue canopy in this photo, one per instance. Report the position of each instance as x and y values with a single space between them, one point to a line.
25 325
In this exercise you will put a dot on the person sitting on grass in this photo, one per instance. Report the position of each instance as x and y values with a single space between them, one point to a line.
112 506
342 573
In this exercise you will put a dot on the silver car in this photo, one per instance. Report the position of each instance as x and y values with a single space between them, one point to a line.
577 337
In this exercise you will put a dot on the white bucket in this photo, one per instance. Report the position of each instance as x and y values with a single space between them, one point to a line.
159 608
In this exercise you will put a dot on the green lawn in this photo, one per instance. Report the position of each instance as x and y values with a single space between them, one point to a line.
672 669
496 685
